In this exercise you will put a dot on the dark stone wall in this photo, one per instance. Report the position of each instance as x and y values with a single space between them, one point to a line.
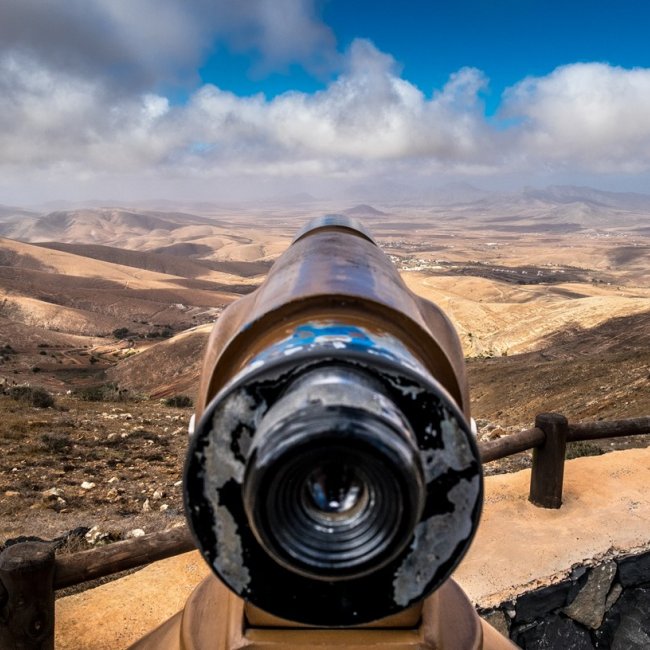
604 606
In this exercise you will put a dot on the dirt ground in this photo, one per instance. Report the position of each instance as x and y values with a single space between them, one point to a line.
109 467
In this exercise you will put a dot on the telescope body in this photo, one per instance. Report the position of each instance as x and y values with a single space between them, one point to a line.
333 455
332 481
333 272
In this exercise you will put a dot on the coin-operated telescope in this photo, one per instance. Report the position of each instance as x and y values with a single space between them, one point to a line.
332 482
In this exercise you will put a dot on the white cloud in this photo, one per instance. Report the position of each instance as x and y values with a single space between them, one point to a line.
138 43
367 115
62 120
588 115
58 120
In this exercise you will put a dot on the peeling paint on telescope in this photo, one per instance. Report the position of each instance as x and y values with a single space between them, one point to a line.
333 480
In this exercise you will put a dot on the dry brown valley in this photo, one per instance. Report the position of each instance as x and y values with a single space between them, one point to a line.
107 309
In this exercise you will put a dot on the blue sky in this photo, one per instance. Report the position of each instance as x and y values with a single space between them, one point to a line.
218 99
507 39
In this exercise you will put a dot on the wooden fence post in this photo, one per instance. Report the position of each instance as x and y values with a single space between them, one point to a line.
27 597
548 461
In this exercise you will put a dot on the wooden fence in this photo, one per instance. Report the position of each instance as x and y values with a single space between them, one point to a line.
30 573
548 441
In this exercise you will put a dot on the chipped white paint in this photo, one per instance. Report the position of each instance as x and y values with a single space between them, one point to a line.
230 560
434 543
456 453
411 390
221 465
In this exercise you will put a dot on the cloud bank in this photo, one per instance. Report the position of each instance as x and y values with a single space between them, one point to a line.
589 115
138 44
82 99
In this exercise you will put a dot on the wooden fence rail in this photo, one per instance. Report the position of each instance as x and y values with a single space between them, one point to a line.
106 560
30 573
527 439
608 429
509 445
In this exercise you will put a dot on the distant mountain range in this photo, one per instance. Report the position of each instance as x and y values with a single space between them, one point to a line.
383 192
157 229
459 193
100 224
573 194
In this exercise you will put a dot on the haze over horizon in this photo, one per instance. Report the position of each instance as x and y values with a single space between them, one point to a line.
225 101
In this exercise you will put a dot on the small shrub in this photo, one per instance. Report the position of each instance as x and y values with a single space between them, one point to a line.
33 395
179 401
103 393
120 332
56 443
90 393
583 448
165 332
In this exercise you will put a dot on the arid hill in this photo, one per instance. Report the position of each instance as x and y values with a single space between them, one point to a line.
11 213
171 367
101 223
148 230
363 210
37 284
587 374
70 317
185 266
550 293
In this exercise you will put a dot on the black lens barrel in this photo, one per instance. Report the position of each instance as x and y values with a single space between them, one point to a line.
333 486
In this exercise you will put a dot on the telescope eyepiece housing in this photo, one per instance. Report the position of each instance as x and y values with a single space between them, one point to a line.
334 484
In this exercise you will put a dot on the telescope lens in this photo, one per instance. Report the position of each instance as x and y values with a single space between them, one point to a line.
334 489
340 519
